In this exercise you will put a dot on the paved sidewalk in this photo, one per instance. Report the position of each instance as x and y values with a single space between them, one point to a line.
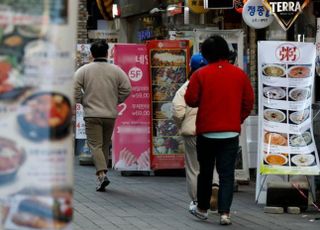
153 202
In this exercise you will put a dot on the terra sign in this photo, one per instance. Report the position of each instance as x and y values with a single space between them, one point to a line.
286 12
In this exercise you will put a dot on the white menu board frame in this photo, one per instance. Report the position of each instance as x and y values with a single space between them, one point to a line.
286 145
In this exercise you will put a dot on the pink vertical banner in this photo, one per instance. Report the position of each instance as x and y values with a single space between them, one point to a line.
131 137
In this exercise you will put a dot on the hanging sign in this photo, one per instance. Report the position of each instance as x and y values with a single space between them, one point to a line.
286 12
238 5
196 6
256 15
218 4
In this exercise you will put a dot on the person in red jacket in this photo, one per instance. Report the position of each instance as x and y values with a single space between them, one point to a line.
224 97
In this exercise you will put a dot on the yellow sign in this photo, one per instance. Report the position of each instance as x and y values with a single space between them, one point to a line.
197 6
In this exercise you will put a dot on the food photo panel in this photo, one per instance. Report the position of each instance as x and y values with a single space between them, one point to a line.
274 70
275 115
299 71
300 140
275 138
276 159
168 75
45 115
168 145
299 117
12 158
165 128
303 160
162 110
299 93
164 92
274 93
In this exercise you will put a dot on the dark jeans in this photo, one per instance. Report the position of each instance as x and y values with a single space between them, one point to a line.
223 152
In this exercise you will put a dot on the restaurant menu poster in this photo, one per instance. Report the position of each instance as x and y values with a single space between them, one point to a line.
168 62
131 135
286 81
37 63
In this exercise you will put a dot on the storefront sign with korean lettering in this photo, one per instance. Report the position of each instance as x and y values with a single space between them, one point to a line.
286 12
256 15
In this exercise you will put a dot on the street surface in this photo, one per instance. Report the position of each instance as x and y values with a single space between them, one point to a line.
161 203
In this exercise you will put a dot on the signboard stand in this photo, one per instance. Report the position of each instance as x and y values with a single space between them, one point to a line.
286 146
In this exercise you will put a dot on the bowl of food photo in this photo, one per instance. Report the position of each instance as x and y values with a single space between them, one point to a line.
298 71
11 158
303 159
299 117
273 70
275 159
299 94
45 115
11 82
274 115
275 93
300 140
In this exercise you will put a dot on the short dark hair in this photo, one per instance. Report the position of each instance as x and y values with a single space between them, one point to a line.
215 48
99 49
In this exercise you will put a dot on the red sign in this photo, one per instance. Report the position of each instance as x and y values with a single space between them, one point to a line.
286 12
168 70
131 138
287 53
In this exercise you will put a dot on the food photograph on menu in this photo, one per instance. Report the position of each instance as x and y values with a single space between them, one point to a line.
165 128
168 75
275 138
168 145
299 117
35 208
164 92
278 159
303 160
13 42
11 159
274 70
300 140
299 71
299 93
274 92
162 110
275 115
45 115
168 57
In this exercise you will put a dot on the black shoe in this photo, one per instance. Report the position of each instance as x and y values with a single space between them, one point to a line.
102 183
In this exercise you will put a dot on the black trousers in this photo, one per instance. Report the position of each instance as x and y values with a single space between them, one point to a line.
223 152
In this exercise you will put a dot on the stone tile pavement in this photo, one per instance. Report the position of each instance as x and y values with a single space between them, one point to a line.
161 203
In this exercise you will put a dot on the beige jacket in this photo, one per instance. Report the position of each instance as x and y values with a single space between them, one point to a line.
184 115
100 87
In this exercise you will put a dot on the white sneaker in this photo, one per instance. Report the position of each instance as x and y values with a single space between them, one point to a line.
198 214
225 219
193 204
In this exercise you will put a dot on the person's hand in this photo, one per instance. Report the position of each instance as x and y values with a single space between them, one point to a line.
144 160
128 157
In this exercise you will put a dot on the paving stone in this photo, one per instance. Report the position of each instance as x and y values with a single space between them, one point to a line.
161 203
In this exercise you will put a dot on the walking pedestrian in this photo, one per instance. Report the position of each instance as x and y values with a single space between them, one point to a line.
185 118
224 97
100 87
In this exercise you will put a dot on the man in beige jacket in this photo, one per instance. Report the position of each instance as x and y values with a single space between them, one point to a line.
100 87
185 118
